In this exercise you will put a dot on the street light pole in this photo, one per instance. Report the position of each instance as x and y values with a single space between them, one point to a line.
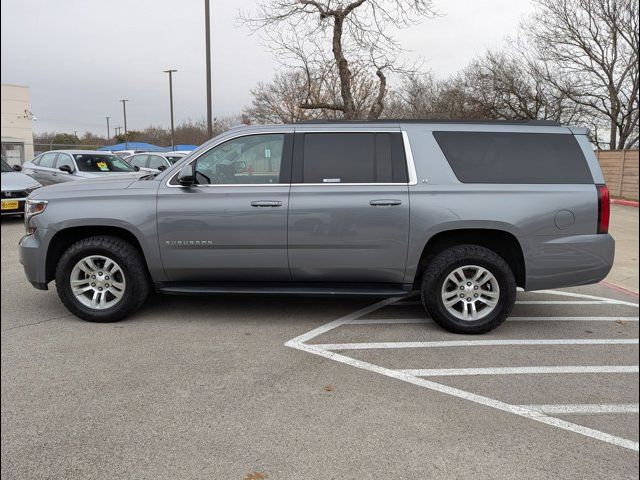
207 30
108 131
124 111
170 72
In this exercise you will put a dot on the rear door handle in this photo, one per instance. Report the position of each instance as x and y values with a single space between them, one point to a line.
267 203
385 203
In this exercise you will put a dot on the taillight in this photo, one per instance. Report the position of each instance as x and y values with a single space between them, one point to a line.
604 208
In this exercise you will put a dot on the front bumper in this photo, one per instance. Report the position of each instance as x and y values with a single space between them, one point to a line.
569 261
34 260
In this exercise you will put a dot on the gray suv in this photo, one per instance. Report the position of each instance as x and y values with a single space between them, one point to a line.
463 212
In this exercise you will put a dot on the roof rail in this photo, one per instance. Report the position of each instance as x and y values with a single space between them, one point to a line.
550 123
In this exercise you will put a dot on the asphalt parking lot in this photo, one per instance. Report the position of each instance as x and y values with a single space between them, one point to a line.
252 388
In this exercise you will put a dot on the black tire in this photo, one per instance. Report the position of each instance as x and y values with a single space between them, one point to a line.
126 256
447 261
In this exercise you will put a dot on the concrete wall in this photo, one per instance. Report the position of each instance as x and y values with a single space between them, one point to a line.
16 123
620 168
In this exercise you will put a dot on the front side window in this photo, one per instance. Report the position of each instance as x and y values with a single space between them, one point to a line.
156 161
64 159
88 162
253 159
352 157
48 160
138 161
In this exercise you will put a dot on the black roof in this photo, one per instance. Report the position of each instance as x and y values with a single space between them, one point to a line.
546 123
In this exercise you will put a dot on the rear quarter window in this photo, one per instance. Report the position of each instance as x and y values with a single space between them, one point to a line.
518 158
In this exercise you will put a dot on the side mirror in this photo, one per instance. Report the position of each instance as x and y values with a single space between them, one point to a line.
17 168
66 168
136 168
187 177
162 168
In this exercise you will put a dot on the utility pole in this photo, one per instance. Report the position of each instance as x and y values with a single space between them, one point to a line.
108 131
124 111
170 72
207 30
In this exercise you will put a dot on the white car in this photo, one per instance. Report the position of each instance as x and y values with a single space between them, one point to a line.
16 187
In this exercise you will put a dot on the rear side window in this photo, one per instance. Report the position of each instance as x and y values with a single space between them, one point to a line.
497 157
353 158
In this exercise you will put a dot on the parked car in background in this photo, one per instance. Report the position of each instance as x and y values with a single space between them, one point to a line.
154 162
58 166
16 187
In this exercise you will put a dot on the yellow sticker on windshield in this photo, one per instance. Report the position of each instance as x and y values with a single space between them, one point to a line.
102 166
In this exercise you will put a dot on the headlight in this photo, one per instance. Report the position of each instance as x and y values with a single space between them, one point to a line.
31 209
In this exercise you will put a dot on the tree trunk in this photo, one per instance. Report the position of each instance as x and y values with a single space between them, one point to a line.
343 69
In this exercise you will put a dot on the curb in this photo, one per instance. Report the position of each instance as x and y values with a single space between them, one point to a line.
614 286
627 203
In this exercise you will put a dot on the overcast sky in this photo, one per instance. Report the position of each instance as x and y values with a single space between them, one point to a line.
79 57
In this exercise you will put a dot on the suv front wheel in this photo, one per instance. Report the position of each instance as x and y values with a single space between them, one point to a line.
102 279
468 289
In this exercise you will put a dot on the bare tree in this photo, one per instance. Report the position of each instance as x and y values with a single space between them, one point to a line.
355 32
588 50
283 99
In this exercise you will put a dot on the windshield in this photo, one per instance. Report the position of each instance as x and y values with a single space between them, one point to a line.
88 162
6 167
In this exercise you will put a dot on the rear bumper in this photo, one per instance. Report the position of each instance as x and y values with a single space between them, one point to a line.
569 261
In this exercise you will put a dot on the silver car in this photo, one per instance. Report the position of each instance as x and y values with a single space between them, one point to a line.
16 187
58 166
462 212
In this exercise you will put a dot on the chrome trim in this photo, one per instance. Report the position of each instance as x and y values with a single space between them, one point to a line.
411 166
400 184
411 169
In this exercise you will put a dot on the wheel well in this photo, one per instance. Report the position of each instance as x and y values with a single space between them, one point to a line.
67 237
503 243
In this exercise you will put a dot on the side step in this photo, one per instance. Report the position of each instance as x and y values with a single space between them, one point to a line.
272 288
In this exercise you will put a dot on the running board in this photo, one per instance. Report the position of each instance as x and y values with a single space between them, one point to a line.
206 288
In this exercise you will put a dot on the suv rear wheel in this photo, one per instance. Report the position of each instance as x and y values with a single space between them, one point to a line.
468 289
102 279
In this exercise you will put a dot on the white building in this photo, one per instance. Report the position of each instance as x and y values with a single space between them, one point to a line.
17 132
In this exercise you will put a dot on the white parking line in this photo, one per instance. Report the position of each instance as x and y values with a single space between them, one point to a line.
534 412
585 409
374 321
447 372
544 302
475 343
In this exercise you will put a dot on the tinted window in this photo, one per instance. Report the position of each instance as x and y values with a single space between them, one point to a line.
492 157
138 161
251 159
48 160
353 158
155 161
64 159
88 162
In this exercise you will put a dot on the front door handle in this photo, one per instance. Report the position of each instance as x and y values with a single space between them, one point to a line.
267 203
385 203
